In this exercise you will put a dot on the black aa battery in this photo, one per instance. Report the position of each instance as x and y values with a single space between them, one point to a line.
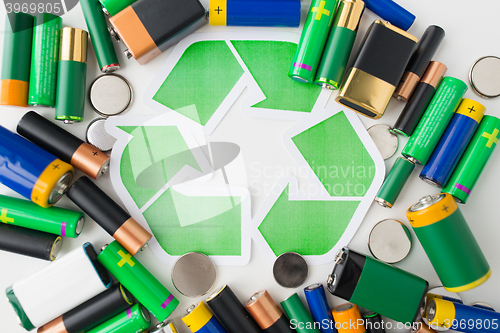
92 313
63 144
108 214
373 323
28 242
231 313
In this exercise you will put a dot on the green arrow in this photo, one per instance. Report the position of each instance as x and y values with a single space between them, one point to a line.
337 156
213 228
269 62
149 145
306 227
200 81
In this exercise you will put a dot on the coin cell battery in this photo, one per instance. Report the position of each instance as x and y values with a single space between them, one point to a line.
384 139
110 95
194 274
98 137
484 77
290 270
389 241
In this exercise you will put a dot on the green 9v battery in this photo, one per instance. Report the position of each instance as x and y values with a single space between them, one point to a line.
53 220
339 45
16 59
71 75
134 319
44 58
138 281
474 160
448 242
312 41
438 114
394 182
99 34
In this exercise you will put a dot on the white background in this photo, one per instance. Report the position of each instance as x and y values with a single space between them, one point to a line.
472 31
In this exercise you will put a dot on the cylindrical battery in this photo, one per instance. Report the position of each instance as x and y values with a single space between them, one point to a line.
99 34
33 243
453 143
164 327
348 318
377 70
394 182
483 306
448 242
300 319
16 59
231 313
435 120
267 313
44 58
59 287
92 313
312 41
374 323
366 281
474 159
134 319
255 13
339 44
113 7
71 75
199 319
420 99
109 215
426 48
138 280
58 221
390 11
63 144
460 317
139 29
319 307
31 171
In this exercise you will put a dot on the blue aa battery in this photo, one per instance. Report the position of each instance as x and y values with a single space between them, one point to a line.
453 143
320 310
199 319
460 317
256 13
31 171
431 296
392 12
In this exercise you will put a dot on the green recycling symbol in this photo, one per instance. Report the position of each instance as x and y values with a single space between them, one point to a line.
190 186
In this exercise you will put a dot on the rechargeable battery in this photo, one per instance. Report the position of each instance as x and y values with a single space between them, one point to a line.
319 308
134 319
267 313
199 319
394 182
300 318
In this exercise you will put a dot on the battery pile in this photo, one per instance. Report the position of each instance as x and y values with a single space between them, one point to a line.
44 64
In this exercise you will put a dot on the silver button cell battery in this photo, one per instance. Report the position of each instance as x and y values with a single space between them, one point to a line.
98 137
484 77
193 274
389 241
290 270
386 141
110 95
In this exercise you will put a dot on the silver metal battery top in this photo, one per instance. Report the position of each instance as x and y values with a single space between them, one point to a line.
194 274
440 292
484 77
389 241
386 141
98 137
290 270
426 202
110 95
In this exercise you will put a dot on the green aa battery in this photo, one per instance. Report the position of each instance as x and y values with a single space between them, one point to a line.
438 114
300 319
475 157
16 59
71 75
53 220
339 45
448 242
44 58
113 7
134 320
394 182
138 281
312 41
99 34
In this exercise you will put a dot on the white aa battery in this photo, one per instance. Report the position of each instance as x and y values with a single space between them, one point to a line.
62 285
